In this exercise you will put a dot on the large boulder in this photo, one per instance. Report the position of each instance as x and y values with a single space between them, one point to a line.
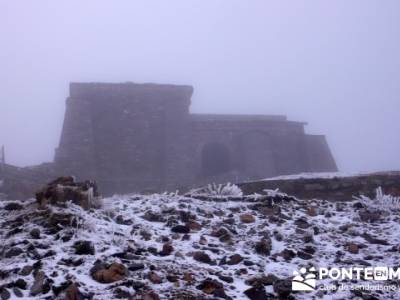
104 273
64 189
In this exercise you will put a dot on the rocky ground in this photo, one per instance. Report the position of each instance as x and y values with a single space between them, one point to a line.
200 246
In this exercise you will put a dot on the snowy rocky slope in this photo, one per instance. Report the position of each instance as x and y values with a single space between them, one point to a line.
199 246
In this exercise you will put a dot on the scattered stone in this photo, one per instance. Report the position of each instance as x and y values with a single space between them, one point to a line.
188 277
302 223
373 240
304 255
262 280
209 286
228 279
120 293
222 234
151 296
26 270
14 251
108 274
13 206
35 233
194 226
283 287
358 205
308 237
17 292
248 263
203 240
72 292
84 248
57 221
369 216
20 283
4 294
352 248
247 218
153 217
40 284
309 249
71 262
57 289
172 278
155 278
234 259
230 221
256 293
278 236
120 220
312 211
136 266
67 236
264 246
145 234
180 229
203 257
167 249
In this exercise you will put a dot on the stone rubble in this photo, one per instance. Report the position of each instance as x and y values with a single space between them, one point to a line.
167 246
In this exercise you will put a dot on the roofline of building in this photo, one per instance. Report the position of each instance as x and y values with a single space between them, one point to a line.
242 117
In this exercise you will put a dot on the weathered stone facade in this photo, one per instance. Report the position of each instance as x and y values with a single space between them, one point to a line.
141 137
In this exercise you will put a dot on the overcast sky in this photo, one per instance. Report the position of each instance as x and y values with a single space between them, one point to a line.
334 64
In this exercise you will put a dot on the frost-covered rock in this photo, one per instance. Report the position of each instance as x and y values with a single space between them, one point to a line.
65 189
170 246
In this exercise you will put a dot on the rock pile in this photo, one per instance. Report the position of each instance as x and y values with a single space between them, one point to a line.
180 247
65 189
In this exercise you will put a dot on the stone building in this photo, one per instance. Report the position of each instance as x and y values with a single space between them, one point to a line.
142 137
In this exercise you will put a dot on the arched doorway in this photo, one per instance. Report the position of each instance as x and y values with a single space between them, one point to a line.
215 159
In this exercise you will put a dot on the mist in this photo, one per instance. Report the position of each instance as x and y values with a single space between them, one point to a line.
335 65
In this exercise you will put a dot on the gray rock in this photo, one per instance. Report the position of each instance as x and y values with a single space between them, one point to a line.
180 229
84 248
283 287
256 293
17 292
39 285
264 246
26 270
203 257
5 294
14 251
13 206
369 216
35 233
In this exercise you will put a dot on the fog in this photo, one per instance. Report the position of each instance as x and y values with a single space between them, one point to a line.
335 65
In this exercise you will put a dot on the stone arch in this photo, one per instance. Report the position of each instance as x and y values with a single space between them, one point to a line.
215 159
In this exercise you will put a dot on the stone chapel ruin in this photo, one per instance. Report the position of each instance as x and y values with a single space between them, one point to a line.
141 137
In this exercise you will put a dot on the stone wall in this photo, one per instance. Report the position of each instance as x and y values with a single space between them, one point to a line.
258 147
335 189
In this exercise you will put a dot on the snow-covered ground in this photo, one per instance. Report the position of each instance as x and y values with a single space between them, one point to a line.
180 247
324 175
